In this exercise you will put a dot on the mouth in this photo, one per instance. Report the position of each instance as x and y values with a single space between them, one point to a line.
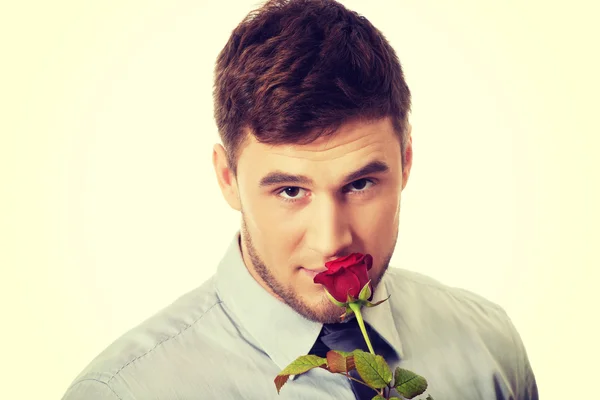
312 272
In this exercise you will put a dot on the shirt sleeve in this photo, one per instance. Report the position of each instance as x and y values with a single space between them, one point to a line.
90 389
525 385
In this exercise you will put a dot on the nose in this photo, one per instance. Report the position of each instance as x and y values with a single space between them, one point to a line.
329 232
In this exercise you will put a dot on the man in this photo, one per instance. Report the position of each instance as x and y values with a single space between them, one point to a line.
312 109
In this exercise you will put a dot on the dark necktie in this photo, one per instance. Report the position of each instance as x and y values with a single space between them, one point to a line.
347 336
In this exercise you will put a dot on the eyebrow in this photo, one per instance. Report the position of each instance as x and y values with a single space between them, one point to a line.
278 177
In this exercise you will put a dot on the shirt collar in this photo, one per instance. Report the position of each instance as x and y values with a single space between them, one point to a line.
279 330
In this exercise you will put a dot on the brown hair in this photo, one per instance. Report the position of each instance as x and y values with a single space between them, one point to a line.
295 70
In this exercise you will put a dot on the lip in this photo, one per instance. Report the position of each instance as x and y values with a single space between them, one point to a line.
312 272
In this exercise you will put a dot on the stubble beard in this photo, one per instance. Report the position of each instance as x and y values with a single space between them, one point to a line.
324 311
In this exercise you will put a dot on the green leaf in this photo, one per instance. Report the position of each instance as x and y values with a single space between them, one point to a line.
333 300
373 369
409 384
378 397
299 366
428 397
365 292
369 304
303 364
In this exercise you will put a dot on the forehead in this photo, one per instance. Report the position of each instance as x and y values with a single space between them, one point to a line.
353 145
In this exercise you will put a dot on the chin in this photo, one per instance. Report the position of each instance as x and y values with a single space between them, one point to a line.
318 308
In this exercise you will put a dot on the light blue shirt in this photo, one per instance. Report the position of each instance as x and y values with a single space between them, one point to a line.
229 338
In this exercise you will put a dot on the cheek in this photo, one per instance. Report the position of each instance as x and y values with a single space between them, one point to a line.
268 211
275 238
377 219
283 223
376 226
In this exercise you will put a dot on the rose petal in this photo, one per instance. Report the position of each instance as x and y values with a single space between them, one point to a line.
361 274
354 258
345 284
342 259
333 267
324 279
348 260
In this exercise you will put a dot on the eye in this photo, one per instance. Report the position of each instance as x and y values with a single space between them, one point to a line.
360 185
291 193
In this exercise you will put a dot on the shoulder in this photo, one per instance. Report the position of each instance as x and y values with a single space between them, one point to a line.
431 293
424 303
428 308
154 341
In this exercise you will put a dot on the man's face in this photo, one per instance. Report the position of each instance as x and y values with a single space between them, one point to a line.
304 205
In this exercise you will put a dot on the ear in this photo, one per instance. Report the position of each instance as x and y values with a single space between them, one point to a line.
407 158
225 178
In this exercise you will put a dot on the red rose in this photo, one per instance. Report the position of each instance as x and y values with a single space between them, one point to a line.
346 276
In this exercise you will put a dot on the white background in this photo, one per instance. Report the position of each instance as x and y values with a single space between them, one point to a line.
110 209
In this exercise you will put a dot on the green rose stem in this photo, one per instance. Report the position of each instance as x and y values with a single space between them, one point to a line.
356 309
